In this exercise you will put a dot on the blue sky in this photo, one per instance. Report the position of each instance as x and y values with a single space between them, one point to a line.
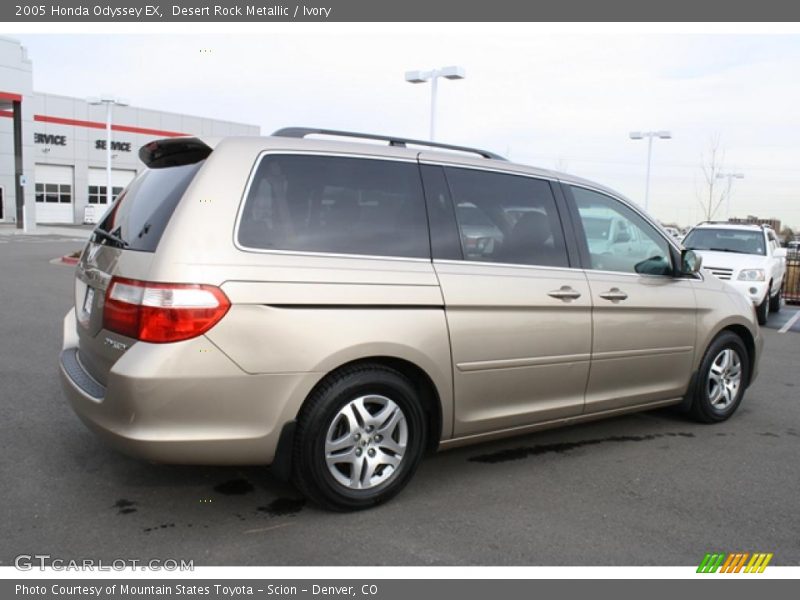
562 101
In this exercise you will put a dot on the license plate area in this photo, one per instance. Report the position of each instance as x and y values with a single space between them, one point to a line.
88 303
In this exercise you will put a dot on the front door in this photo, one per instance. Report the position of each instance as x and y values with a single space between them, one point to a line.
644 318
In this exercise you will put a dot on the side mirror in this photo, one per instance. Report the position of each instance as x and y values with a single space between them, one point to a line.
779 253
691 262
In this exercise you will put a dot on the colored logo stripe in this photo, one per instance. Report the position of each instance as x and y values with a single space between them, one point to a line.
711 563
758 563
733 562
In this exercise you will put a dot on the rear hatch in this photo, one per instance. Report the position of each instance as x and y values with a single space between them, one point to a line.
125 241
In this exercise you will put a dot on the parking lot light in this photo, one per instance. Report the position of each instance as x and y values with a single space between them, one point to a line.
640 135
452 72
109 102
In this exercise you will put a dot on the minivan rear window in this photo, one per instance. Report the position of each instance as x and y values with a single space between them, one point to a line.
140 214
336 205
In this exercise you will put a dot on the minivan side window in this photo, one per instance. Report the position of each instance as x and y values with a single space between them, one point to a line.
617 238
335 205
507 218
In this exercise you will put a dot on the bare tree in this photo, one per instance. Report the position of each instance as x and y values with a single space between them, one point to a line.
712 194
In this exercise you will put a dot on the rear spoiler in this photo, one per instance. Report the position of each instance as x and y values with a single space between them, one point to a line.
174 152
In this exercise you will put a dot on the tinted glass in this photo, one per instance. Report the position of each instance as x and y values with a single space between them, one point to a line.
618 239
336 205
739 241
143 209
507 218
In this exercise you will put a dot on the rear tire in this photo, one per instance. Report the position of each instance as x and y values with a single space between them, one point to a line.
721 379
762 310
359 438
775 301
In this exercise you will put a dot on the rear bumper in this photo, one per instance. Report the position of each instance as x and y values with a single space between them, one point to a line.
183 403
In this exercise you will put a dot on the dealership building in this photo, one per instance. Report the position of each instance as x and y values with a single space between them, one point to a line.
52 147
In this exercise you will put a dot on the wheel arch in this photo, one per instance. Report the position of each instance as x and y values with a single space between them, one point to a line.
429 394
423 383
749 343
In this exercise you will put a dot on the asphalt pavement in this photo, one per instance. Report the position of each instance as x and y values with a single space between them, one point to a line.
648 489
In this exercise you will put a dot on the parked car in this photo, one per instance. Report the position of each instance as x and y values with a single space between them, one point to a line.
610 235
748 257
312 305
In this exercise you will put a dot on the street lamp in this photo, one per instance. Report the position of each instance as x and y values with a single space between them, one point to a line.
730 177
639 135
452 72
109 102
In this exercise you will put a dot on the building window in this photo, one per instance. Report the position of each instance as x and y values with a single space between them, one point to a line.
97 194
54 193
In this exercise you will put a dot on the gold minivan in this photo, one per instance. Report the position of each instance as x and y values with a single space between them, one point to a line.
336 309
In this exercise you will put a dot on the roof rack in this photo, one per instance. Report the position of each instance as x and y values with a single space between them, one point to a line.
301 132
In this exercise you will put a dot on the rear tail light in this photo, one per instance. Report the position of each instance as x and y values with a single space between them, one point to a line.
162 312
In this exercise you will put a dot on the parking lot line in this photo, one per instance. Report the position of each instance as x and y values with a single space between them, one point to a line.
790 323
268 528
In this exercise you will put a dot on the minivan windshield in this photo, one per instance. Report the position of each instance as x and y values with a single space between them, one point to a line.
740 241
140 214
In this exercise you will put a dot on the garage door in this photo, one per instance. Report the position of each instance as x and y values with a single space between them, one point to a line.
96 194
54 198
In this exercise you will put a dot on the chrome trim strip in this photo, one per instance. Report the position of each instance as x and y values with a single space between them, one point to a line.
329 254
643 352
451 261
473 263
513 363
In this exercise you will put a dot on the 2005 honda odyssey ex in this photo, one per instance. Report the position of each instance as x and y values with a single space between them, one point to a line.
337 309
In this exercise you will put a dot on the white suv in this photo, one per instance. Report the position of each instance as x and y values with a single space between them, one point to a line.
749 257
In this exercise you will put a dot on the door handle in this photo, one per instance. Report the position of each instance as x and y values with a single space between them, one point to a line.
614 294
565 293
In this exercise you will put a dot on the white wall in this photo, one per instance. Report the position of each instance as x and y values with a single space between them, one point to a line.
80 150
15 78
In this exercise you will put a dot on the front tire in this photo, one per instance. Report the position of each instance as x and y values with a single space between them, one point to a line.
762 310
721 380
360 437
775 301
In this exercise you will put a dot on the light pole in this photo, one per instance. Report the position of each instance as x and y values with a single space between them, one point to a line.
639 135
730 177
452 72
109 102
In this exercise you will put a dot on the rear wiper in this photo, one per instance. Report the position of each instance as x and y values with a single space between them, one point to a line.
111 237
